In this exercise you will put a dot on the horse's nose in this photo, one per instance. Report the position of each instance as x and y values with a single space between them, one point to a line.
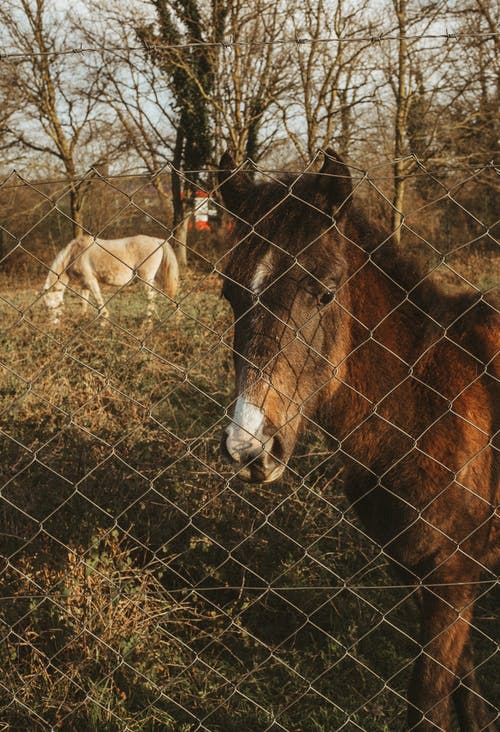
257 460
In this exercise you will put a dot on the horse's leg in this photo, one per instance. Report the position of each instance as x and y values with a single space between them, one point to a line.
470 706
56 315
85 299
150 295
92 284
446 613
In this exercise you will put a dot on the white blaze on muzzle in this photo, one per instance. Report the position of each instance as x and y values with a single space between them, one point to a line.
249 447
246 430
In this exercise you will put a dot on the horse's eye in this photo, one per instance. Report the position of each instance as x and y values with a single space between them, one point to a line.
326 297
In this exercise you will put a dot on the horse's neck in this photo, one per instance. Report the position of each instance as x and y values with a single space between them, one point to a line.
383 340
62 261
382 311
63 258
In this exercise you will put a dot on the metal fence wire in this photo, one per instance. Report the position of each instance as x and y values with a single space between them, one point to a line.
145 584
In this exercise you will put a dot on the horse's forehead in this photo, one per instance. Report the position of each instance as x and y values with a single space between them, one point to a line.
254 267
258 268
262 271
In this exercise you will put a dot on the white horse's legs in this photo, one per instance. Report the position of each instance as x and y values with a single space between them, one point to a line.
85 299
56 314
150 295
93 285
53 299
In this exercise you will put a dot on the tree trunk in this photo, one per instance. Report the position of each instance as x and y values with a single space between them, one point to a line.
76 209
180 222
400 124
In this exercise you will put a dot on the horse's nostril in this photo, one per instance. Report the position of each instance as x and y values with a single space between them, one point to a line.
224 451
276 447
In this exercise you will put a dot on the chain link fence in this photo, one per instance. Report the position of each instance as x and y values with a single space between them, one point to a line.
145 586
153 577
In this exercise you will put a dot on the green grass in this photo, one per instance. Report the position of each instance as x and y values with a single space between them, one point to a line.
144 588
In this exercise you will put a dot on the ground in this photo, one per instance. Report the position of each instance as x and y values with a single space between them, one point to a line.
144 587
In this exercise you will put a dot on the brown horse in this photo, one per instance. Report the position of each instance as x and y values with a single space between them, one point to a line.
336 327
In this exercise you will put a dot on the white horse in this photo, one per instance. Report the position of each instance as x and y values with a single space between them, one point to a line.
87 262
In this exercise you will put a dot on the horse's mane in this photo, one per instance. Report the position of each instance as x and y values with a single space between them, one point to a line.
466 315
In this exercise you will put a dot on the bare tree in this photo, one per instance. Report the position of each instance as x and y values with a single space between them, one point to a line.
224 69
329 82
134 89
415 63
468 110
244 67
57 103
8 108
176 45
474 81
401 117
255 72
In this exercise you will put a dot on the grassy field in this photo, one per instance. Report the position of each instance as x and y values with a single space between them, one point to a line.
144 588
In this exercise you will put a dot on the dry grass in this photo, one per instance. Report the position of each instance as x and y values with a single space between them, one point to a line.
143 588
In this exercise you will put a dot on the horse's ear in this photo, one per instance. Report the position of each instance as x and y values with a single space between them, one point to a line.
234 183
334 184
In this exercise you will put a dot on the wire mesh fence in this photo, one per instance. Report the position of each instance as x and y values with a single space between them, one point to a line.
248 418
151 582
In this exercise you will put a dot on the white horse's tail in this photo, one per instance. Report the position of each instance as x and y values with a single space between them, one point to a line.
169 270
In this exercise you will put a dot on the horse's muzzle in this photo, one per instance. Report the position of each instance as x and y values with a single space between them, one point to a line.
253 460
